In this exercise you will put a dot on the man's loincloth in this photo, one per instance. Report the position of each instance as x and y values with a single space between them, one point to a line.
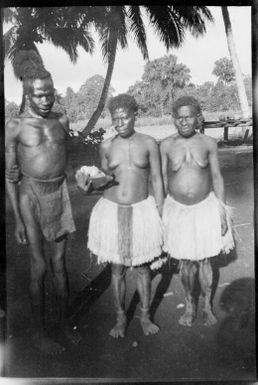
194 232
50 205
128 235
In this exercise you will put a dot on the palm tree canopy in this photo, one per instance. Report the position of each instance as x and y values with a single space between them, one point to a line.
115 23
68 27
35 25
169 22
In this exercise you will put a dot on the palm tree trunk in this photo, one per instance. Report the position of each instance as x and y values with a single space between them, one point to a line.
233 54
103 97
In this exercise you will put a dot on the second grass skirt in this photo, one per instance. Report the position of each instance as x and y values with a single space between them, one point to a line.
129 235
193 232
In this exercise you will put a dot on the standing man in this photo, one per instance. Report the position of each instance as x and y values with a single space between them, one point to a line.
125 224
36 141
195 217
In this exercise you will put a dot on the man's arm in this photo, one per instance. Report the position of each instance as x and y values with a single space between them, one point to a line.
164 164
11 135
156 177
63 119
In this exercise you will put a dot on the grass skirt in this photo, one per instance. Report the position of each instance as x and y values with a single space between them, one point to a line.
193 232
128 235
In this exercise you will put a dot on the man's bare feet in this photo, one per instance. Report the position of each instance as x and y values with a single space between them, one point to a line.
47 346
209 318
119 328
148 327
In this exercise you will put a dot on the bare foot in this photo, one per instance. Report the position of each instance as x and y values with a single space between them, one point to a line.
46 345
72 334
209 318
148 327
119 328
187 319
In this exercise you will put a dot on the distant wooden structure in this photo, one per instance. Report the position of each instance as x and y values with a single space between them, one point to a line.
226 124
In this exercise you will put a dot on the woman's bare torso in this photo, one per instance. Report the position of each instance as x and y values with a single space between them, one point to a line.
128 160
189 179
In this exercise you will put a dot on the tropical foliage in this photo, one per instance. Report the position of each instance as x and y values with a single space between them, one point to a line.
154 93
161 80
11 110
68 27
81 105
32 26
224 70
117 23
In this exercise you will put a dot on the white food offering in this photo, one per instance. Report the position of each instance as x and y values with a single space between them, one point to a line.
92 171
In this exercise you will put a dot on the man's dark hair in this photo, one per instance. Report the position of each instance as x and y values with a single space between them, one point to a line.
123 101
186 101
28 67
40 74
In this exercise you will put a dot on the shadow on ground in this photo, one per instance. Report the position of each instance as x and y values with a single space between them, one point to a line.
236 334
91 293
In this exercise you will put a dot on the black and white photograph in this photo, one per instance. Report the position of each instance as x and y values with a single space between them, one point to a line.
129 194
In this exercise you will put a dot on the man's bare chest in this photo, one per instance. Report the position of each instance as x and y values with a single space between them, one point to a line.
37 132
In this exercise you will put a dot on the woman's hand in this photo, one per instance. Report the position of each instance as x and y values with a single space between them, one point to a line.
83 181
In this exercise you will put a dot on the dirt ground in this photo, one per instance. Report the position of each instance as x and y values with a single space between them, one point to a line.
223 352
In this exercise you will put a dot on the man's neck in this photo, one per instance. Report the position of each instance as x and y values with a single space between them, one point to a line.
33 114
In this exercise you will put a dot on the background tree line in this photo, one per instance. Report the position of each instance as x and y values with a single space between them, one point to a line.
163 80
70 27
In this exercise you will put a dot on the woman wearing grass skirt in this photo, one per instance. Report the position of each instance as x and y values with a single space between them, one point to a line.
125 226
196 219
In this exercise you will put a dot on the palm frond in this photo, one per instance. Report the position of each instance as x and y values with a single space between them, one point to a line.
120 25
24 16
69 39
136 27
104 36
166 24
112 29
194 18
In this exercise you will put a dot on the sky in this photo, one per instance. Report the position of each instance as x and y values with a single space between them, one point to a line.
198 54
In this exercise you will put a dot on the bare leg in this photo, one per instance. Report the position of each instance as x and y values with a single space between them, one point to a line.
144 289
118 279
205 279
188 273
37 274
61 287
